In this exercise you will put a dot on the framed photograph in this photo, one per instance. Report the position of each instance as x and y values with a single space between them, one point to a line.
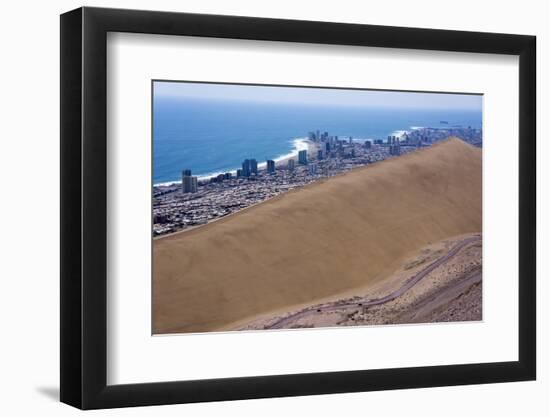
259 208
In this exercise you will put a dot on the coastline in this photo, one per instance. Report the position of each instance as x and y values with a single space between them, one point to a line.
224 195
297 143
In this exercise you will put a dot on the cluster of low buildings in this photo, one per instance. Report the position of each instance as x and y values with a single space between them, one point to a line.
196 202
428 135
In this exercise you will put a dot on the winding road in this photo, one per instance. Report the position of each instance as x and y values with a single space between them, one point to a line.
412 281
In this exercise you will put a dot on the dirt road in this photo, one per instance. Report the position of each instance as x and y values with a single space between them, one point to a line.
285 321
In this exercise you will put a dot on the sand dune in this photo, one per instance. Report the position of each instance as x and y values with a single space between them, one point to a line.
327 238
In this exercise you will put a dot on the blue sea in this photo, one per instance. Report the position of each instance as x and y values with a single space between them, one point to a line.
214 136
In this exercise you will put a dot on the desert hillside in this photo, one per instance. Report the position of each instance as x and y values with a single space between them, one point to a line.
330 237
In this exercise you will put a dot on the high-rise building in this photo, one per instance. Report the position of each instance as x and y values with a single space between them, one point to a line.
270 166
291 164
227 175
320 154
186 173
189 184
395 148
302 157
246 168
312 169
254 167
368 144
239 173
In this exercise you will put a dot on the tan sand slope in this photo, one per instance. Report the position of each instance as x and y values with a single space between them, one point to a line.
330 237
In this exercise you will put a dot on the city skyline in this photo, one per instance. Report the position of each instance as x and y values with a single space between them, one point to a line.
326 155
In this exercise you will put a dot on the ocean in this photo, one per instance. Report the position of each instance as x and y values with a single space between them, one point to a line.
215 136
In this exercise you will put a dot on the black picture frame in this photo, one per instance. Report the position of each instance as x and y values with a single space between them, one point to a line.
84 207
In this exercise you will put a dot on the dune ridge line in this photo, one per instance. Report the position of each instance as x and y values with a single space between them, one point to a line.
332 236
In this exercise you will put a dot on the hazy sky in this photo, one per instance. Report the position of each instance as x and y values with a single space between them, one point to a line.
316 96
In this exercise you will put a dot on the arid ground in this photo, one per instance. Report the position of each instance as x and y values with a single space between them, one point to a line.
347 236
441 283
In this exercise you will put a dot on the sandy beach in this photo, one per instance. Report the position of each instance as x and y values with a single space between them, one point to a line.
311 147
331 237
